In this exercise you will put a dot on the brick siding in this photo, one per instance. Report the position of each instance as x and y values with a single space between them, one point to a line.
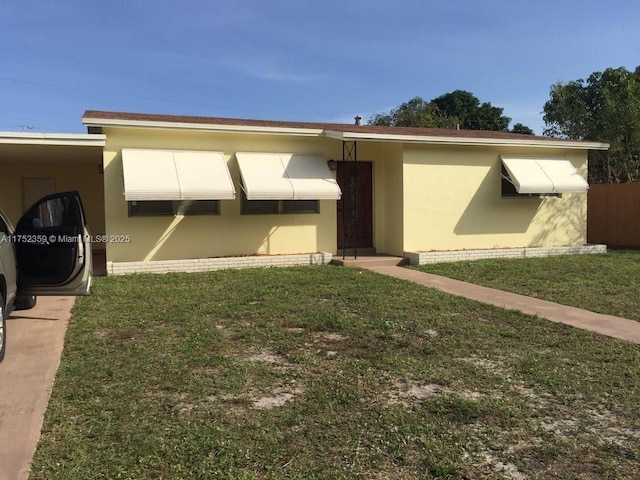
421 258
210 264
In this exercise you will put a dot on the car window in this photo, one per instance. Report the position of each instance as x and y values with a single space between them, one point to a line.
50 214
55 212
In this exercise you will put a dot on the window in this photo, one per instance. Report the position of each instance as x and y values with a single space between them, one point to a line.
286 176
539 176
300 206
51 213
509 189
152 175
275 207
172 207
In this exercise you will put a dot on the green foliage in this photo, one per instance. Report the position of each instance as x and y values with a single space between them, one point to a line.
605 107
473 115
523 129
457 109
415 113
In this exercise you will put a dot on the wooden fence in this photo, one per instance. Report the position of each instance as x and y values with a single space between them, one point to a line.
613 214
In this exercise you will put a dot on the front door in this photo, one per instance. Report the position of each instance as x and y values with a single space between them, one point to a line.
355 209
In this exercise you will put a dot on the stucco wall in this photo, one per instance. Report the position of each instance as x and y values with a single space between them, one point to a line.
230 233
424 198
387 198
83 177
452 201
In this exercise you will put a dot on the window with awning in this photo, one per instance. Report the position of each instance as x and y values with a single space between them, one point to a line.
175 175
542 175
286 176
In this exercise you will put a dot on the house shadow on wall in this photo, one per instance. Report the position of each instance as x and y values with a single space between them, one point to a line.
570 215
488 213
190 237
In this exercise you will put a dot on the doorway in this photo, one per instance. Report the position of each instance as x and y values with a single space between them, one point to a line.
355 208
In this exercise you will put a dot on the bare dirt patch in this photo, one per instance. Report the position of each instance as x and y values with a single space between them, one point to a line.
278 398
505 470
494 366
328 337
404 392
267 356
295 329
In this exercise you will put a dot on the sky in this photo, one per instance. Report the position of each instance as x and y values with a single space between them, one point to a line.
298 60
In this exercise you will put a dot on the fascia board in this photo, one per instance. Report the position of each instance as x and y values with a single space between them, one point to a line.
491 142
73 140
348 136
334 134
305 132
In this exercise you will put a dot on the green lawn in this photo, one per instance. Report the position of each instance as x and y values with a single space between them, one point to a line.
608 283
330 373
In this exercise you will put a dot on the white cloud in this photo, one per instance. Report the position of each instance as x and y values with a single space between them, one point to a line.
270 70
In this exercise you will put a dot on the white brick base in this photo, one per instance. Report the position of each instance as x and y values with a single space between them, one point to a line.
421 258
222 263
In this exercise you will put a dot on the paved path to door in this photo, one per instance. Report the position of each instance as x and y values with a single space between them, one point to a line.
34 344
617 327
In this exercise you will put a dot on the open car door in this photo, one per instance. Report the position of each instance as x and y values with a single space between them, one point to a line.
53 247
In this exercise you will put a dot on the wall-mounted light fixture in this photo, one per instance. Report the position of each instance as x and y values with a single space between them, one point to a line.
331 164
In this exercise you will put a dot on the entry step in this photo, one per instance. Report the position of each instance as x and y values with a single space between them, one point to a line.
369 261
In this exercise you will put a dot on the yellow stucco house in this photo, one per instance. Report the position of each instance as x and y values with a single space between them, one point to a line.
166 193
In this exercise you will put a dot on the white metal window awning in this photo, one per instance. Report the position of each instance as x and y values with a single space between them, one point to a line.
543 174
175 175
286 176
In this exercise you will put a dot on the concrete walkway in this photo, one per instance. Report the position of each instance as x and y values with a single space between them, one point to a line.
609 325
34 344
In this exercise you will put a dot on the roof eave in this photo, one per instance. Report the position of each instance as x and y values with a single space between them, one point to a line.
345 135
468 141
264 130
61 139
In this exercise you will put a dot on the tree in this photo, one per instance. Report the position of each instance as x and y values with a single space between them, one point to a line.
457 109
523 129
606 108
414 113
472 114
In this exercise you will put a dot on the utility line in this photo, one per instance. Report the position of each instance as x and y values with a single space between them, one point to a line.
127 95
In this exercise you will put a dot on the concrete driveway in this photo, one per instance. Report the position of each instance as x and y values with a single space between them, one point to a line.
34 344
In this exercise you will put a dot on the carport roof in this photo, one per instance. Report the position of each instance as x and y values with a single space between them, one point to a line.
340 131
66 139
46 147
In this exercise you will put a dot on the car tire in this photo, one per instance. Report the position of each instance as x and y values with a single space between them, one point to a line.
25 302
3 329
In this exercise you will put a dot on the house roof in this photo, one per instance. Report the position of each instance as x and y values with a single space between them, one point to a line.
340 131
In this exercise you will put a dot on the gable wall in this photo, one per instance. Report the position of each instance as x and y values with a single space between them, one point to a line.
452 201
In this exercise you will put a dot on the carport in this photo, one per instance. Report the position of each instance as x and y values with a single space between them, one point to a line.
36 164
